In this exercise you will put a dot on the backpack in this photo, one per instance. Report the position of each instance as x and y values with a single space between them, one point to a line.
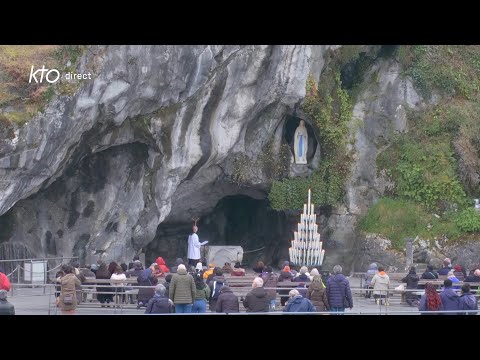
143 278
217 286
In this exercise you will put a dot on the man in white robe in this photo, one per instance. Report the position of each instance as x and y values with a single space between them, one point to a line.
194 247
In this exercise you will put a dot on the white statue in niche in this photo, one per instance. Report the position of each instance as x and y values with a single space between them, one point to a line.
300 144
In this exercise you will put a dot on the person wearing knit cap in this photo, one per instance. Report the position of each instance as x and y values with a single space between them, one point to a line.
285 276
6 308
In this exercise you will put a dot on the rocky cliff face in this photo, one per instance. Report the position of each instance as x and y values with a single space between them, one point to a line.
151 138
154 139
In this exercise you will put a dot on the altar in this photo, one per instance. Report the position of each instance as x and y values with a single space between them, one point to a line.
221 254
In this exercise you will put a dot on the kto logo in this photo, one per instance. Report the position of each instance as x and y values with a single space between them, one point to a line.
48 75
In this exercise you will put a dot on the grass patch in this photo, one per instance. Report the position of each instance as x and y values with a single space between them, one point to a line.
398 219
452 70
24 99
436 165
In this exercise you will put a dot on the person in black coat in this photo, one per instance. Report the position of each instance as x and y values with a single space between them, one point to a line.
430 273
257 300
412 283
227 302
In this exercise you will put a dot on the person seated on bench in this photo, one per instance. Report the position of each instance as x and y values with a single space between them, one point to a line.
412 283
372 270
303 277
257 300
459 272
227 268
447 266
468 301
285 276
380 283
449 297
238 270
451 276
297 303
430 274
258 268
430 301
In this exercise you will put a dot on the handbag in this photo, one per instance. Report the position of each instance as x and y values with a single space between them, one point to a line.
68 299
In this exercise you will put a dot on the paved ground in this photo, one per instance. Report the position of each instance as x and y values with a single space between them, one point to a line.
39 301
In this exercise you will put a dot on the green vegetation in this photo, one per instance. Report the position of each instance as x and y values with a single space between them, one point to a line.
23 99
452 70
329 106
435 166
275 166
398 219
468 220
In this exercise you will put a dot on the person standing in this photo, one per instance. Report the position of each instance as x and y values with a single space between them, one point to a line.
338 291
68 297
182 290
202 294
194 245
317 294
6 308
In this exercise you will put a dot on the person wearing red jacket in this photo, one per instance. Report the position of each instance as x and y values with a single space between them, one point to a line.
160 262
4 281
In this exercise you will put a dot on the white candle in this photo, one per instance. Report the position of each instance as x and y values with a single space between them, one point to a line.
304 208
309 193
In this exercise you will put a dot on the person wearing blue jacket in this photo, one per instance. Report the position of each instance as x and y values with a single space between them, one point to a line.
297 303
338 291
449 297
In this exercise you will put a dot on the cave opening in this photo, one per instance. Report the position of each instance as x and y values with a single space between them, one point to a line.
291 124
236 220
